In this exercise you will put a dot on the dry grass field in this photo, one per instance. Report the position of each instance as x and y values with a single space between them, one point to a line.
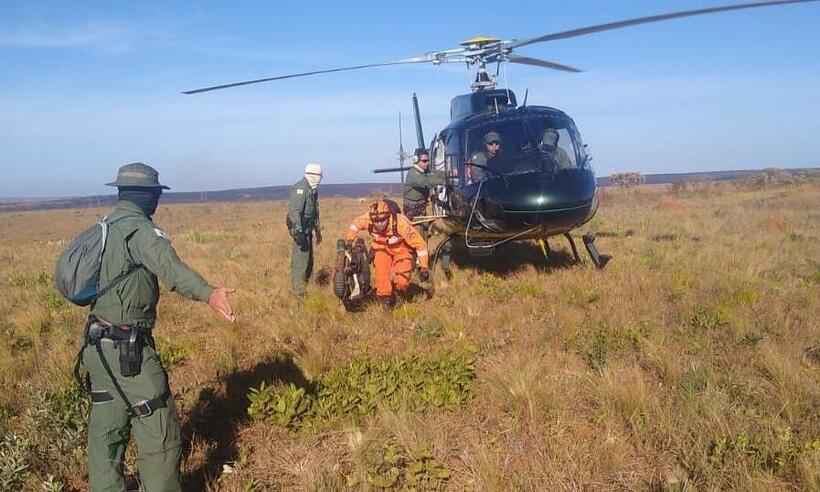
691 363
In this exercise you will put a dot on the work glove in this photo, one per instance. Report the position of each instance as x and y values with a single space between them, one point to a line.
301 240
318 233
424 275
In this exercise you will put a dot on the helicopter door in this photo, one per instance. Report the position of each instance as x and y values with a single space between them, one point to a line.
440 163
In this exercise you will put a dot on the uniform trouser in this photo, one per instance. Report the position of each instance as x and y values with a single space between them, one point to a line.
301 266
444 255
393 269
444 252
110 426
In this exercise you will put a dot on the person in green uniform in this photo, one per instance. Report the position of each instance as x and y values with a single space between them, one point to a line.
549 145
129 387
419 185
487 158
303 224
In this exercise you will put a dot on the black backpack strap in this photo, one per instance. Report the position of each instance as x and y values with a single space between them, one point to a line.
104 362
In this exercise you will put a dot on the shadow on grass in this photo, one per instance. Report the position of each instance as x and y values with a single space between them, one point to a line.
217 416
516 256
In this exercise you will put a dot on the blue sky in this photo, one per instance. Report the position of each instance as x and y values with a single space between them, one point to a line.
88 86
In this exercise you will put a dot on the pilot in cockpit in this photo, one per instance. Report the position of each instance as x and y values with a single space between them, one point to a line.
549 145
487 158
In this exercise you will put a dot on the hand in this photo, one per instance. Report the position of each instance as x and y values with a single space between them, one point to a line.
424 275
318 236
301 240
219 303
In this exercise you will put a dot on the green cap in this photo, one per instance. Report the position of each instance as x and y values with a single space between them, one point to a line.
138 174
492 137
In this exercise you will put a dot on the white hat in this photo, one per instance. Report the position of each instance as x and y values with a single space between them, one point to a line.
313 168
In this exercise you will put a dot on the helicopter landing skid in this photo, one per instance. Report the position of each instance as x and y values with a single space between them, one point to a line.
574 249
598 259
545 248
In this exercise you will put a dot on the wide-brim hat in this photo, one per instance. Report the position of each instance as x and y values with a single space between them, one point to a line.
138 175
313 168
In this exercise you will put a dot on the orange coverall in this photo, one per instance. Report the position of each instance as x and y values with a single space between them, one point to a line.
393 260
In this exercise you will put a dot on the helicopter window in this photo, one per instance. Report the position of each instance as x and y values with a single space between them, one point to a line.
584 159
453 153
438 153
520 146
562 151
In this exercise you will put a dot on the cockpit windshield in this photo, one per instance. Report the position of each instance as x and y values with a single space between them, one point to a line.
520 146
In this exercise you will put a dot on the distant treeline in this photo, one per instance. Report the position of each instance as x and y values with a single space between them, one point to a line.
354 190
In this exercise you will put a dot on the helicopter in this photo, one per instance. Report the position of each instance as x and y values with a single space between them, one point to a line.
541 184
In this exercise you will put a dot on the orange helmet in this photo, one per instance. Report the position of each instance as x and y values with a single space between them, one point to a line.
381 212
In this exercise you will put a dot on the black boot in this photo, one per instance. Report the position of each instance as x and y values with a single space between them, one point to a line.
387 302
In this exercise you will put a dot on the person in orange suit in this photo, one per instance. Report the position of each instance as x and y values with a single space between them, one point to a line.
393 241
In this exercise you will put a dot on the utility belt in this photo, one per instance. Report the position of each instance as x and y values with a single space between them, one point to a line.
307 225
130 341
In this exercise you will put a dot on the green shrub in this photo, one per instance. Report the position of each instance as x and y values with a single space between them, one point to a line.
49 438
387 465
14 464
59 418
775 453
170 354
706 319
52 484
284 407
54 300
414 383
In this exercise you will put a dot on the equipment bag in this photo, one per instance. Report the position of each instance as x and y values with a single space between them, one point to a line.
77 274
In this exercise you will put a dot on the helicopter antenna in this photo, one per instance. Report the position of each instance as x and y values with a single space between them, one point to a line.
419 131
401 150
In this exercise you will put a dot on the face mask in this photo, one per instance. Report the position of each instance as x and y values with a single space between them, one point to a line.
313 180
146 199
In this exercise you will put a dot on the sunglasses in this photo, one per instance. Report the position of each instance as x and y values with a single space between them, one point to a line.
494 143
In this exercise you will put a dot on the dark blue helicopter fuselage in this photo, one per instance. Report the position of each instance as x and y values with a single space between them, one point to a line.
527 189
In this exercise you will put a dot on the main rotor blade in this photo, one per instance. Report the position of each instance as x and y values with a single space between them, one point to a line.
646 20
525 60
304 74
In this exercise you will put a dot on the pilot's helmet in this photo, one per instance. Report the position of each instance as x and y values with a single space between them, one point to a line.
550 138
491 137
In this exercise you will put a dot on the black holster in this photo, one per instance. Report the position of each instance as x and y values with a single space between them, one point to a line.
131 352
129 340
